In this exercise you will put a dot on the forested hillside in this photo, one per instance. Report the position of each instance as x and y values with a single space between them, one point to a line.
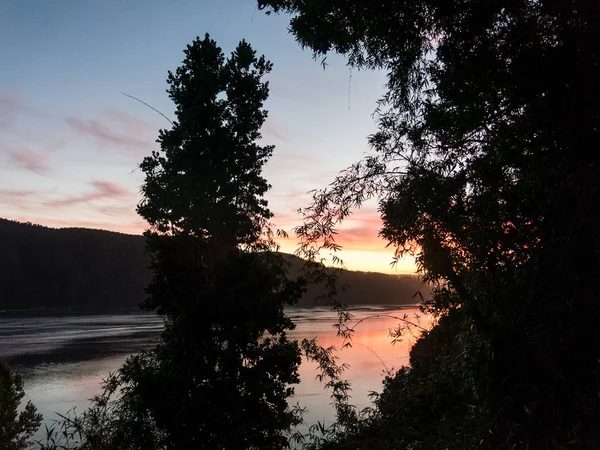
43 267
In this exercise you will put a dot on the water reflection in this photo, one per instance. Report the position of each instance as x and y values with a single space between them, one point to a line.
64 359
370 358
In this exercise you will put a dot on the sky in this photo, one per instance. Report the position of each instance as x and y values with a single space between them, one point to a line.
70 141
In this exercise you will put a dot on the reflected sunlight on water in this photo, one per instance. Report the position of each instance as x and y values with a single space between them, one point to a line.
370 357
64 359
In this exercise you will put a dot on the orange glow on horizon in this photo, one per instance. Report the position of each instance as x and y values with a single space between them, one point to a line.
366 259
361 250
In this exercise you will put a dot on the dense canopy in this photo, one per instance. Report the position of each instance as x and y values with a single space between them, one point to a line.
484 166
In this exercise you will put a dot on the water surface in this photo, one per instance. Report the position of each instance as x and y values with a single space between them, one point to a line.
64 357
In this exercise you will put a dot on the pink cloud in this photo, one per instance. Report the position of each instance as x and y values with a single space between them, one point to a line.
104 132
15 197
19 199
359 232
117 210
102 190
16 193
132 124
10 105
365 218
36 162
10 102
116 129
361 239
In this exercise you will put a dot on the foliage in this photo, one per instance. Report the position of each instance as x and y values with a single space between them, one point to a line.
109 423
224 368
483 169
17 425
222 373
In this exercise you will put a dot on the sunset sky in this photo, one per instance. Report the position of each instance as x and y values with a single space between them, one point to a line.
70 141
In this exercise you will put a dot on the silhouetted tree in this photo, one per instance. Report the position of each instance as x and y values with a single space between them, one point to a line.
17 424
221 376
485 170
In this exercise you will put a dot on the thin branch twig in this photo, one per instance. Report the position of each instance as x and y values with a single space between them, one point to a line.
149 106
373 316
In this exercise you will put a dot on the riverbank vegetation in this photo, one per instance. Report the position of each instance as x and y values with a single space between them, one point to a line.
18 420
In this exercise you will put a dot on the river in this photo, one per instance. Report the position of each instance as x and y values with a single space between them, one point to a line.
63 358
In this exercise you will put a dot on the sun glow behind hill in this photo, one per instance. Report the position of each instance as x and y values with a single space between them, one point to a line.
366 260
361 248
97 269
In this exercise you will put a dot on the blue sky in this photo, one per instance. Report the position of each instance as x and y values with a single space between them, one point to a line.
70 141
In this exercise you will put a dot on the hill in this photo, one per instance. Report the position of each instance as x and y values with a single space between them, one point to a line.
97 270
